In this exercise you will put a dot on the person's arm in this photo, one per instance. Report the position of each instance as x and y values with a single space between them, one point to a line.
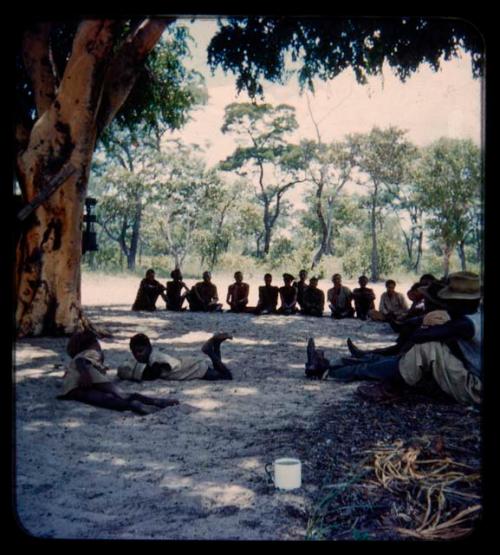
246 291
215 297
382 306
402 301
460 328
229 295
83 366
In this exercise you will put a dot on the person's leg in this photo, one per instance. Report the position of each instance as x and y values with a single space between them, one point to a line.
383 351
96 398
134 399
212 349
212 375
386 369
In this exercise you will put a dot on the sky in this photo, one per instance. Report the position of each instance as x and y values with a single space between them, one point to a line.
429 105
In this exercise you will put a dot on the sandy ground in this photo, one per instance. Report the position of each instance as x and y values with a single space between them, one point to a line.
194 471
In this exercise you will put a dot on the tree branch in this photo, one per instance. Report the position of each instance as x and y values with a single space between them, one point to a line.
38 64
81 85
124 68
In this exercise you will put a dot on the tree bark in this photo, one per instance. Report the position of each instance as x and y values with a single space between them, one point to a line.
461 254
48 253
446 259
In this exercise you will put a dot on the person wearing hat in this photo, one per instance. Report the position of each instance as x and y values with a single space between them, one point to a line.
406 328
313 299
288 296
175 297
203 296
445 350
85 380
150 364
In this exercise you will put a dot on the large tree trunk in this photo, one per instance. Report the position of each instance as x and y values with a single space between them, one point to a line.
461 254
136 231
49 251
447 251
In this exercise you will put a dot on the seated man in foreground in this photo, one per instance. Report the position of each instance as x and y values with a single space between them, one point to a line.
203 296
268 297
313 299
151 364
149 291
445 353
85 380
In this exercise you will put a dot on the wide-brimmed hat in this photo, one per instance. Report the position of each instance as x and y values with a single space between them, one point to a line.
461 285
430 292
435 318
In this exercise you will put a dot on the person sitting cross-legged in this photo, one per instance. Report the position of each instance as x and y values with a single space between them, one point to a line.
313 299
392 305
268 297
85 380
237 294
150 363
301 286
446 352
364 298
203 296
340 299
175 297
288 296
149 291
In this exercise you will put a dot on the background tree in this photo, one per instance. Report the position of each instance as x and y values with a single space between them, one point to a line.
329 168
411 221
383 158
450 189
265 158
72 81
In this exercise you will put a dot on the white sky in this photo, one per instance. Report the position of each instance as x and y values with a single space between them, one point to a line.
428 105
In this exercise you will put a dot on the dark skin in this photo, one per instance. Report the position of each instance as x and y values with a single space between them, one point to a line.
211 348
108 395
235 305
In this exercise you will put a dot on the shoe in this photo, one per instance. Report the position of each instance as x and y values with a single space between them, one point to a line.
311 349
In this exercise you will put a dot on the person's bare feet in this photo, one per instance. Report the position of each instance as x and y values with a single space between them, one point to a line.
215 340
167 402
143 409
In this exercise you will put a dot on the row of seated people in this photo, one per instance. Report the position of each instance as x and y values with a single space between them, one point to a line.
295 296
438 352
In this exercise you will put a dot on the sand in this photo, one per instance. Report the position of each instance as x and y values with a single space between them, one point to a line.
193 471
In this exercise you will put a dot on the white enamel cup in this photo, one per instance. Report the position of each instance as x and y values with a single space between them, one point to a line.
287 473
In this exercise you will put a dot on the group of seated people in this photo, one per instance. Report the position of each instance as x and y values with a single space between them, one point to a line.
294 297
438 349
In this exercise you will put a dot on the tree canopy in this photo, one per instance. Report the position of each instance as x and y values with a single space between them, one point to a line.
258 47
